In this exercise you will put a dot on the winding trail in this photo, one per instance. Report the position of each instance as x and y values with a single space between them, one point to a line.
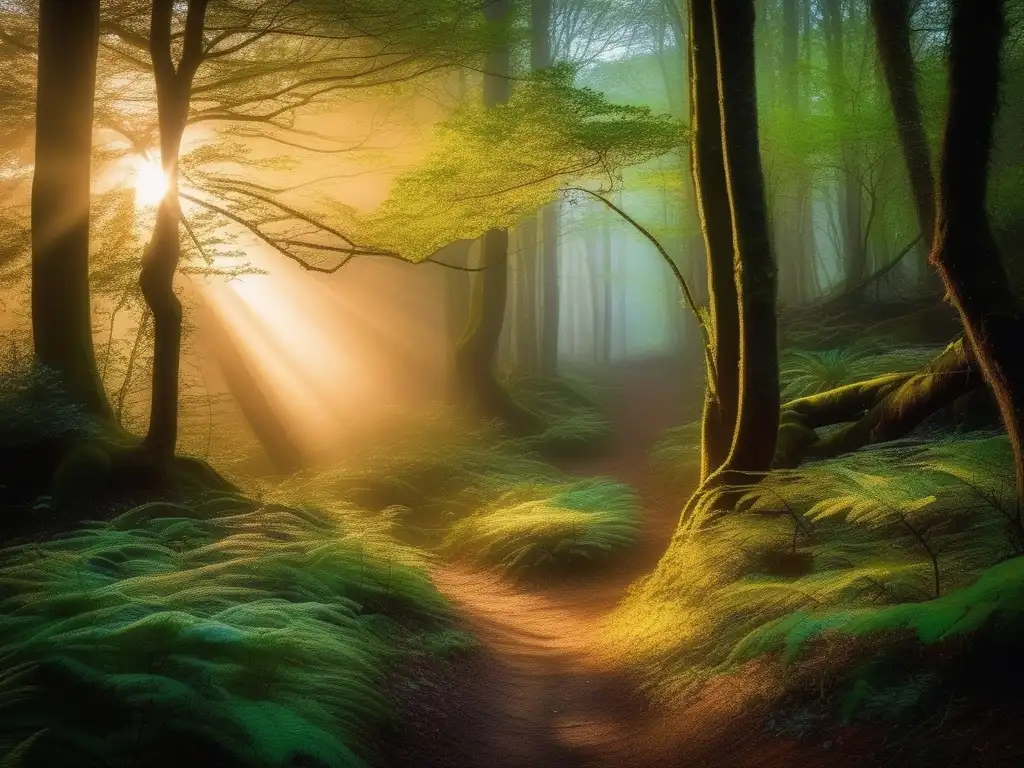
536 695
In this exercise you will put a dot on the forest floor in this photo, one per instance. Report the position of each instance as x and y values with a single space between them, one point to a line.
534 694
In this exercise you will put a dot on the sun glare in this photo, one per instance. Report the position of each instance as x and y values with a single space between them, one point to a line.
149 181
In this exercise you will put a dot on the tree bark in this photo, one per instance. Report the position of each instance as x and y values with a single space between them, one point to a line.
964 251
720 402
61 311
160 260
891 21
757 420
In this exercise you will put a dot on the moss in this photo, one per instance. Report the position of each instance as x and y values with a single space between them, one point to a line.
726 593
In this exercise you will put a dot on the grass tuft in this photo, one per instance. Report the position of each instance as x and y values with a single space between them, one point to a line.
548 527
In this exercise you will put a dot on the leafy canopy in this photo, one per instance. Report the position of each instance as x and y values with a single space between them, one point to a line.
494 167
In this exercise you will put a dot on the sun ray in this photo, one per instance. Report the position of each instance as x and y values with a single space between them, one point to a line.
149 180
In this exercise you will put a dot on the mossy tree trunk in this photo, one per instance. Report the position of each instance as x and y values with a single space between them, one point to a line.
755 368
477 351
720 402
964 249
757 420
160 260
61 313
878 410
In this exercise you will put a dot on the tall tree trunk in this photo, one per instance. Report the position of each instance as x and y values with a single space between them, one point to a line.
61 312
757 420
854 254
476 354
720 403
160 260
606 292
456 303
526 352
965 252
548 218
891 20
788 210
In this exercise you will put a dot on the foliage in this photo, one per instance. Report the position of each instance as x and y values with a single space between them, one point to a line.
494 167
821 540
677 451
805 372
35 409
548 527
571 410
229 630
464 489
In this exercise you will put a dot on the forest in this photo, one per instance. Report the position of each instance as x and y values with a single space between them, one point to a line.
511 383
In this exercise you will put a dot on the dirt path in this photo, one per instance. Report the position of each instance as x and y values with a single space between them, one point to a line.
535 695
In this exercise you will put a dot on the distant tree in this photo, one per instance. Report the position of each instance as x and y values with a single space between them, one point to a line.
891 21
541 58
477 350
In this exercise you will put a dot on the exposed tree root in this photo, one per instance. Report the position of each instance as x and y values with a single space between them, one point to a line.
875 411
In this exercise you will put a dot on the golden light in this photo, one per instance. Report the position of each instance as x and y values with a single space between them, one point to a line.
148 179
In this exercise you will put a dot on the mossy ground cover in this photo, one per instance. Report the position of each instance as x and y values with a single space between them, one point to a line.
898 546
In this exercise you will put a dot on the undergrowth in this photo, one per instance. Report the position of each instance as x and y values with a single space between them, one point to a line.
548 527
228 633
570 408
807 372
868 540
465 490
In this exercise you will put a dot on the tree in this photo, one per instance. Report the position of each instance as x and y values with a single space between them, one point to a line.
757 420
755 372
853 248
246 67
965 251
61 312
891 21
540 59
476 353
722 390
160 262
